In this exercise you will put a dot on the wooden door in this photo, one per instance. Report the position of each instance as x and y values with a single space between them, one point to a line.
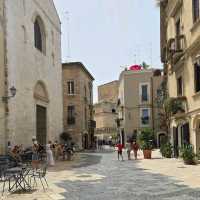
41 124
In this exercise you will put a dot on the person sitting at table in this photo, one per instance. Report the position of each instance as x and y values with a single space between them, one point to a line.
15 153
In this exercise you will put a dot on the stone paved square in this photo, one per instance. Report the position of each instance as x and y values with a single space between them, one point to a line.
97 176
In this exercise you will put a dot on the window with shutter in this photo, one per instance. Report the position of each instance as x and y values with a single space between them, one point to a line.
197 77
195 5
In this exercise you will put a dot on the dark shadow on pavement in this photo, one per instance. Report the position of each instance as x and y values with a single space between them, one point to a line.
123 181
80 160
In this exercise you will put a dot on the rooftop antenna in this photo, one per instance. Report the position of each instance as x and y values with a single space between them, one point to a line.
68 35
151 55
135 58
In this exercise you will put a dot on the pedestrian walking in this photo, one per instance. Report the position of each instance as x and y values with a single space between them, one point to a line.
135 148
50 159
119 150
128 147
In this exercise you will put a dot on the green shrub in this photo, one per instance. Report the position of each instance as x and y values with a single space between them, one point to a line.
187 153
166 150
65 136
146 138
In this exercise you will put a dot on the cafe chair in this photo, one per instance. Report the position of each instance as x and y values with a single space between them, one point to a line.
40 174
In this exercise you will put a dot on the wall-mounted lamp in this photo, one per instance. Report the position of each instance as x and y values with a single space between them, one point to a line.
13 92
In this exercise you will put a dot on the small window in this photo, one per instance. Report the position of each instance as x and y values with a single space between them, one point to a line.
145 117
197 77
71 115
179 86
70 87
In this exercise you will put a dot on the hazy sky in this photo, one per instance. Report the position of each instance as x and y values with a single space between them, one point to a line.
107 35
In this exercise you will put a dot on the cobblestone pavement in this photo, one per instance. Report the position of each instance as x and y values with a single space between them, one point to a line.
100 176
126 180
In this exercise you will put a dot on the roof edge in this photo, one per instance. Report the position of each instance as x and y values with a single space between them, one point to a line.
80 64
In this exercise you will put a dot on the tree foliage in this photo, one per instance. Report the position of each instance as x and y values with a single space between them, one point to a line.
145 65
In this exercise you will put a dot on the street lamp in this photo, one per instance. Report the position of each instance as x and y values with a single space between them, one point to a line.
13 92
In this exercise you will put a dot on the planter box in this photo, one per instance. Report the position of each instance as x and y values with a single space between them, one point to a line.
147 154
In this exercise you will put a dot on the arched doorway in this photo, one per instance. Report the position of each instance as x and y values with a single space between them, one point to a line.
181 135
42 100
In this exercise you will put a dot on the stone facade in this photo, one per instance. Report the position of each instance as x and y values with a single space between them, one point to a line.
2 76
31 71
138 109
78 103
108 92
180 55
105 111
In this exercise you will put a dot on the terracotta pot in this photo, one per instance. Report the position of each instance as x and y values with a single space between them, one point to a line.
147 154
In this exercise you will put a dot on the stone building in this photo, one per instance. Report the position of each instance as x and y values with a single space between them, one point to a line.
137 106
108 92
180 53
30 49
78 103
105 111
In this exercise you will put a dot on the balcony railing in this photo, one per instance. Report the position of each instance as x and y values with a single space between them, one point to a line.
176 48
179 106
92 124
145 120
71 120
144 98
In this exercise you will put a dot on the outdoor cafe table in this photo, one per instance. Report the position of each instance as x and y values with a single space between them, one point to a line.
19 175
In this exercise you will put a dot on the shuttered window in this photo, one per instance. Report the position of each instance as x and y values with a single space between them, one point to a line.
195 5
197 77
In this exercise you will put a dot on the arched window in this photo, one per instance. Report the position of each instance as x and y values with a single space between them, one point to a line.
39 35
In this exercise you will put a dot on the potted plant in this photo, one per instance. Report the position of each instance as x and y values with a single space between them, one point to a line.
188 155
166 150
146 142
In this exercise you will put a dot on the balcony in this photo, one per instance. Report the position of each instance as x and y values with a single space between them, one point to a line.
145 121
92 124
176 49
144 99
179 106
71 120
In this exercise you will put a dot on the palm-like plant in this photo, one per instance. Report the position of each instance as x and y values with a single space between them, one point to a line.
158 2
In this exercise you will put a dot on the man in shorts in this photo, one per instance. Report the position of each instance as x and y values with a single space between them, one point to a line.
119 150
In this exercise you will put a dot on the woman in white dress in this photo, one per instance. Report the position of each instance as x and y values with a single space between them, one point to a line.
50 159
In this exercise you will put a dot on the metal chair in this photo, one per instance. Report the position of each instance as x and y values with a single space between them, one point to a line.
40 174
5 177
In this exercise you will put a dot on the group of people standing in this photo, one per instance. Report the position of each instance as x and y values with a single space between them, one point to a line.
130 146
37 151
51 151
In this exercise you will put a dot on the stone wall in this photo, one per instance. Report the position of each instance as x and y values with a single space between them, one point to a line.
2 77
81 101
27 66
108 92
